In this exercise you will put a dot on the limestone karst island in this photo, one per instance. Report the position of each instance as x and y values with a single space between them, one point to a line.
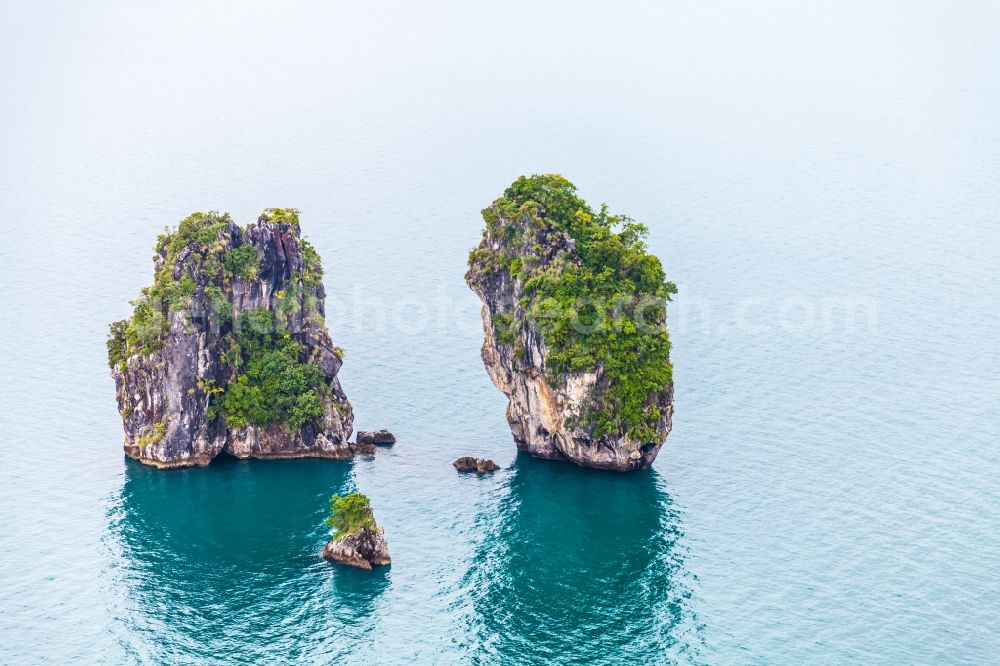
574 312
228 349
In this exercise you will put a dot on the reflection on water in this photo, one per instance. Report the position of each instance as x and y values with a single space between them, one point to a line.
580 566
223 563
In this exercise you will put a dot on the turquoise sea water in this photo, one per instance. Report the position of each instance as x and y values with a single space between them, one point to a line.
831 490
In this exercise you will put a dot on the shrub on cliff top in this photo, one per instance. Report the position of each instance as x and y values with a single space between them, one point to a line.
282 215
348 514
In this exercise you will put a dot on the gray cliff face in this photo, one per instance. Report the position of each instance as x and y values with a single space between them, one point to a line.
165 389
545 416
363 549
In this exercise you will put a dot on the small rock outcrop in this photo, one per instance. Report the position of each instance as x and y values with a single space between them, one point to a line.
574 321
379 437
357 541
363 549
228 349
478 465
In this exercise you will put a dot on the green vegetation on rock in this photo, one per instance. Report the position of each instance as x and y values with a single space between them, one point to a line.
271 383
283 215
154 435
312 271
117 344
592 291
242 262
348 514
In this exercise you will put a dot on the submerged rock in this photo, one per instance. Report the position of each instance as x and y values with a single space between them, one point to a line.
376 437
477 465
228 349
574 321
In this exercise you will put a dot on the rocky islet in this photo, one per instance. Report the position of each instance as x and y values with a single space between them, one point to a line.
228 350
357 541
574 321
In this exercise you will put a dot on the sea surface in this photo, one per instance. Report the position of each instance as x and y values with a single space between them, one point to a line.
821 180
